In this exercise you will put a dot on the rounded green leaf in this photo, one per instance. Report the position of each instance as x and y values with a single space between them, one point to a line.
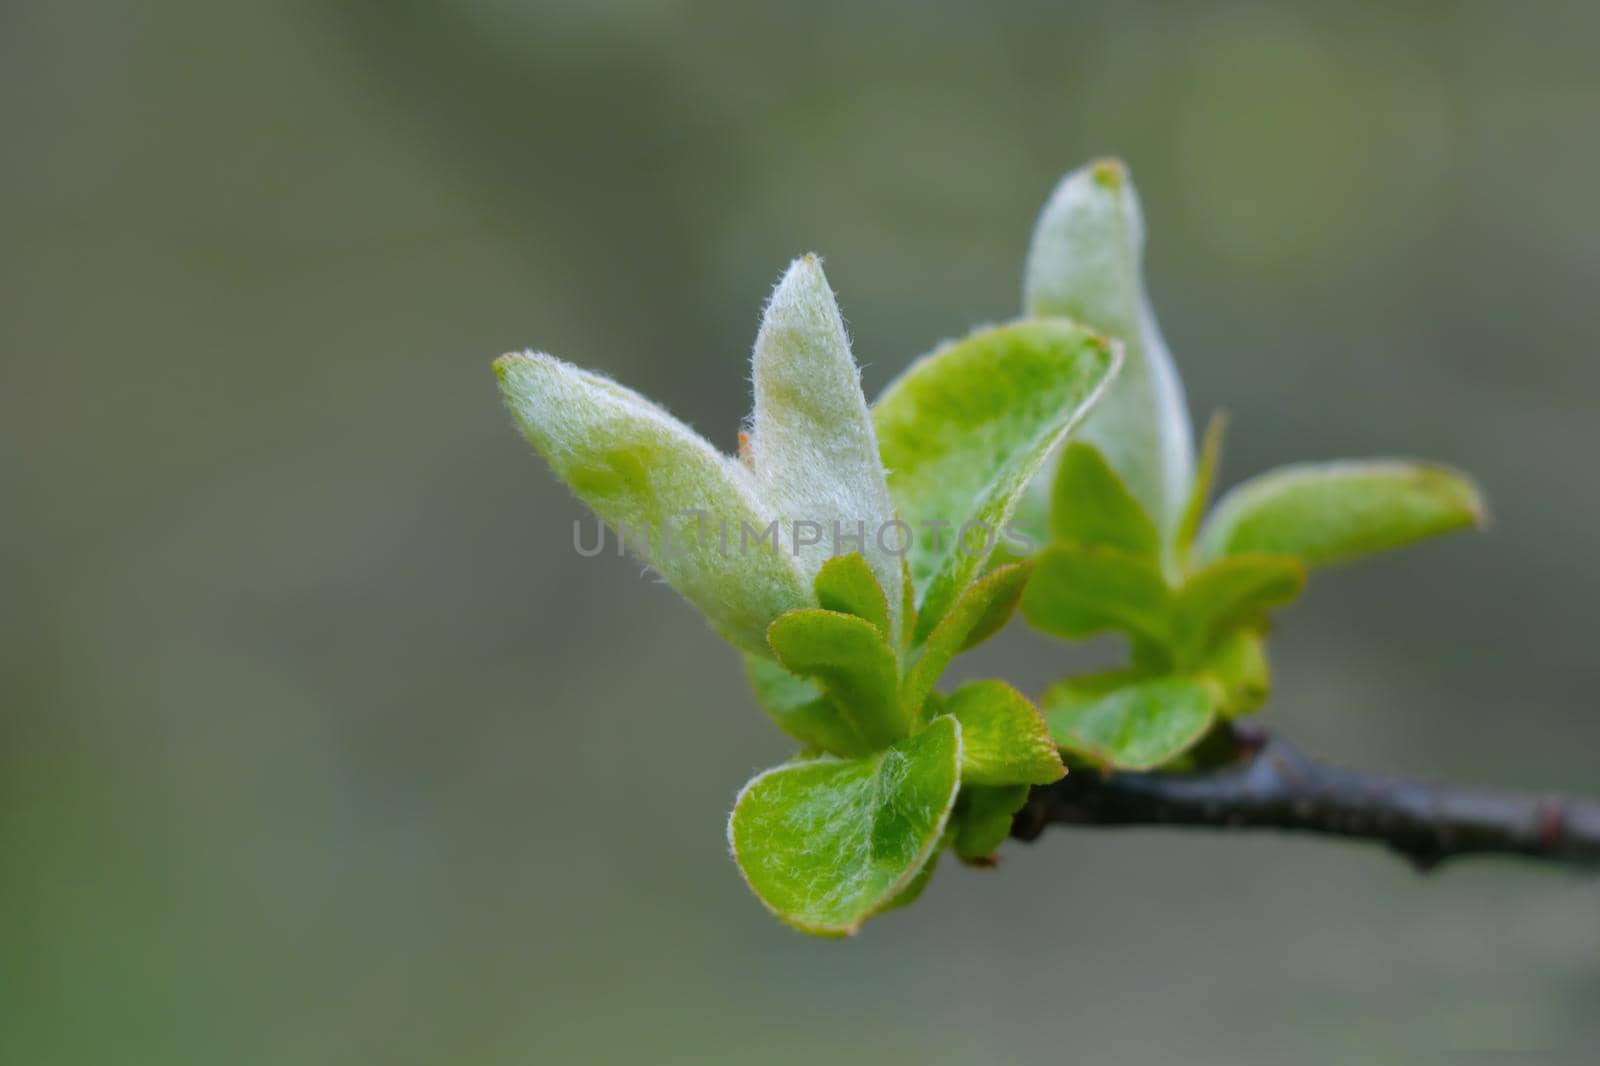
827 843
1004 739
1332 512
982 819
848 657
802 709
846 584
964 429
1139 725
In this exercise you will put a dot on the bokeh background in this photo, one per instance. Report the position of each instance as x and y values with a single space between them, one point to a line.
318 744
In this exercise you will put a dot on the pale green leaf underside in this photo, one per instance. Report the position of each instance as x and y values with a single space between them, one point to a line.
1084 263
812 446
846 655
964 429
1004 740
1332 512
642 470
825 843
1138 725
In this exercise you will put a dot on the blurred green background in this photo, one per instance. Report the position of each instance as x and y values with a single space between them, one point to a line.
318 744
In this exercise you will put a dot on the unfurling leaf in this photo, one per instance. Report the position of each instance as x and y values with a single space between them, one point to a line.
964 429
1230 593
812 445
652 478
846 584
1238 671
1085 264
1124 724
1332 512
827 843
846 655
1004 740
1205 479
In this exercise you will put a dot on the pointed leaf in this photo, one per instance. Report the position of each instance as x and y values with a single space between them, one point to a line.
1004 740
848 657
1232 592
982 819
649 475
846 584
1085 264
1077 591
1205 477
1331 512
825 843
984 607
964 429
803 710
1137 727
811 443
1091 505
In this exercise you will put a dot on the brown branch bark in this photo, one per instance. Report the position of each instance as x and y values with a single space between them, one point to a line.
1273 786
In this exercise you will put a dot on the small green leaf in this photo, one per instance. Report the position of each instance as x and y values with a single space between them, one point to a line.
1136 727
649 476
825 843
1004 740
1078 590
982 819
1238 670
984 607
1331 512
848 657
811 444
1232 592
1205 478
964 429
846 584
803 710
1084 264
1091 505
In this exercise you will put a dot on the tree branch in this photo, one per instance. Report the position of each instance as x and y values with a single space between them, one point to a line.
1275 787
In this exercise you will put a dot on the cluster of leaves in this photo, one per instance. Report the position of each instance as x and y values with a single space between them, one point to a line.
1133 550
845 650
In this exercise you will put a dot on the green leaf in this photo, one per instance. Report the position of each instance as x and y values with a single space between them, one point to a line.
964 429
803 710
825 843
1004 740
648 475
1091 505
1331 512
846 584
1238 670
983 608
1138 726
848 657
811 443
982 819
1078 590
1084 264
1205 478
1230 593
